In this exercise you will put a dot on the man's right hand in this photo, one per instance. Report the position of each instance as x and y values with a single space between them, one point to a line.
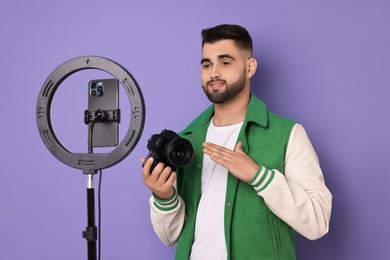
160 181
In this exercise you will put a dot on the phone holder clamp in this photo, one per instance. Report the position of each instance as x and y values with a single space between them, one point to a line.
102 116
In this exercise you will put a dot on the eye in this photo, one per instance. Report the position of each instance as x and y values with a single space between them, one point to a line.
206 65
226 62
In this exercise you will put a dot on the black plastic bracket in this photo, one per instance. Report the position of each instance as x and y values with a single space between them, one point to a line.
102 116
90 234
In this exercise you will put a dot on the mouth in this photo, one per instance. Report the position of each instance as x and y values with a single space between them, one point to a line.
216 84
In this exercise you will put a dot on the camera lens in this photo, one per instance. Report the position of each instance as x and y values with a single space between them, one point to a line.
169 148
93 85
93 93
180 152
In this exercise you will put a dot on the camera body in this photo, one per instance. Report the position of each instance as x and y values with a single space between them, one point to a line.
169 148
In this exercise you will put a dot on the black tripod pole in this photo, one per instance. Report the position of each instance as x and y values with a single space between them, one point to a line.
90 234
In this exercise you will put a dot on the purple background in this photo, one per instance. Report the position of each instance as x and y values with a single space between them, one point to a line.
324 63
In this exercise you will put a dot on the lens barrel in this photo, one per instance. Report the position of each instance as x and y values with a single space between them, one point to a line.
169 148
179 152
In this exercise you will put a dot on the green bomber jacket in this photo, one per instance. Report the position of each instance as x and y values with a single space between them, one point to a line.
252 231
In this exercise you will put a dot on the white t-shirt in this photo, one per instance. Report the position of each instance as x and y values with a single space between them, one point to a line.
209 240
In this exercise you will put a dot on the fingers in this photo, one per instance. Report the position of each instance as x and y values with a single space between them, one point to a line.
146 165
160 175
239 147
216 152
171 179
237 162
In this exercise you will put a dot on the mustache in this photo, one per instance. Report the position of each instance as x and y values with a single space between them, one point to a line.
216 80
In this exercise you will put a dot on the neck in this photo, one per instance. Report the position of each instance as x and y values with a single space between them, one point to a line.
232 112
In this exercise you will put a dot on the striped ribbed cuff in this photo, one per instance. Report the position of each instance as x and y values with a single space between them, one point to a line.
166 204
262 179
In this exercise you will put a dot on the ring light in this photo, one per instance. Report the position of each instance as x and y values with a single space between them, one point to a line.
89 162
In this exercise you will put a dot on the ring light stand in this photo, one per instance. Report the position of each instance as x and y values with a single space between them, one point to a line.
90 163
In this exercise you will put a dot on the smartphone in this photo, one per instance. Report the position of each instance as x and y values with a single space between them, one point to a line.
104 94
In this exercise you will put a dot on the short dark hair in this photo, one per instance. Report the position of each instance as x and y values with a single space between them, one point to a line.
233 32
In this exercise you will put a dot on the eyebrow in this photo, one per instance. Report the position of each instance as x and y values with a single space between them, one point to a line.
220 57
204 60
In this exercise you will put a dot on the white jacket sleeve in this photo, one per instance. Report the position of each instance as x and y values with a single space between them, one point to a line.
299 197
167 217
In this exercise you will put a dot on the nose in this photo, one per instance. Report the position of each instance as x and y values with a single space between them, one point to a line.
215 73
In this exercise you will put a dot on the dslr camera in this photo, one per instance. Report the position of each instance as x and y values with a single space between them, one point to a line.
169 148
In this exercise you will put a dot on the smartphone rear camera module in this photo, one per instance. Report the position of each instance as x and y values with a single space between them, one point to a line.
96 89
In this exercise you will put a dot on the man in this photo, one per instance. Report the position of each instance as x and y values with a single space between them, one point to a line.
255 177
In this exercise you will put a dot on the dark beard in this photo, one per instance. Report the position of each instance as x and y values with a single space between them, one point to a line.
231 91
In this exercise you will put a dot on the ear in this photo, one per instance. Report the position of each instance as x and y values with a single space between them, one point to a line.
251 67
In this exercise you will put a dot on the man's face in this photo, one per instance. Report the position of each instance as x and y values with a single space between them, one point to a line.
224 69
